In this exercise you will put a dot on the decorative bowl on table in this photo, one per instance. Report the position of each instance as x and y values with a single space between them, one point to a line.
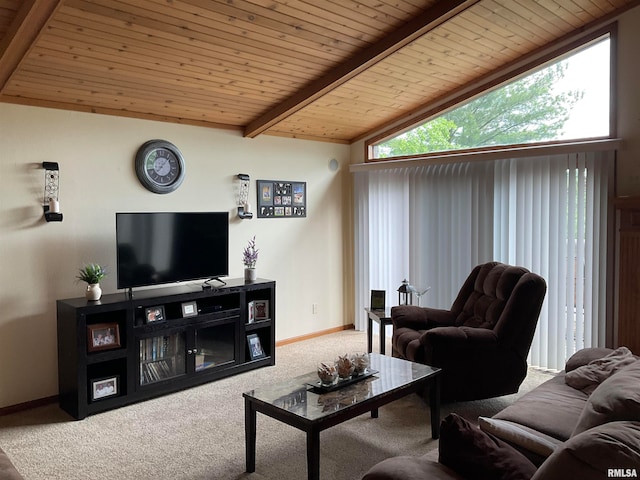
345 366
327 373
361 363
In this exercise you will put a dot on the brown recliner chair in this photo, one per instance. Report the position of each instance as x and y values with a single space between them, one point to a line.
482 342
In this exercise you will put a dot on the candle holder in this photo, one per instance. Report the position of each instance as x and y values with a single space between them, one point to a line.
244 210
51 188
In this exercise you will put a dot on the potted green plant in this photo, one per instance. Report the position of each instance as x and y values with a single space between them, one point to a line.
250 258
92 273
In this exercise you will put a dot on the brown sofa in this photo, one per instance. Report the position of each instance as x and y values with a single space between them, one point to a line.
7 470
482 342
583 423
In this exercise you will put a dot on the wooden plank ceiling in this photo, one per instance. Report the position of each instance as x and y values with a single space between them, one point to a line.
333 70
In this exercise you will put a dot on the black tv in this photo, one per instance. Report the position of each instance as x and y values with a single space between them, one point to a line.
164 247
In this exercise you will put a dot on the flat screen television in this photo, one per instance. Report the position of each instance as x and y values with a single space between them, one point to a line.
163 247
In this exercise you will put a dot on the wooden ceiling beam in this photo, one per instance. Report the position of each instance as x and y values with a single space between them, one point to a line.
431 18
22 34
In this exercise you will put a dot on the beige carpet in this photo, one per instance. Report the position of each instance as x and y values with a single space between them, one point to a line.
199 433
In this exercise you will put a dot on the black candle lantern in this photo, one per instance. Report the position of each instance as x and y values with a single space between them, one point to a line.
405 296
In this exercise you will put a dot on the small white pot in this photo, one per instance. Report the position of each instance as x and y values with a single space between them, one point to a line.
250 274
94 292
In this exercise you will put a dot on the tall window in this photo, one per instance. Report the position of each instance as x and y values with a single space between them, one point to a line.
564 101
432 224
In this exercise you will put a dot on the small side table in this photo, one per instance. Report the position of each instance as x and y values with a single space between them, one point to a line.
383 318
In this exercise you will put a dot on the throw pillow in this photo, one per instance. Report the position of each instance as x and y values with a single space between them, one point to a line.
584 356
476 455
589 376
615 399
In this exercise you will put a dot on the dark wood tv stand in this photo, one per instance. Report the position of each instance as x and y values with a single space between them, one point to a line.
197 336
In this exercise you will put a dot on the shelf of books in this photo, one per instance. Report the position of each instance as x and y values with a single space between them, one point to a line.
162 357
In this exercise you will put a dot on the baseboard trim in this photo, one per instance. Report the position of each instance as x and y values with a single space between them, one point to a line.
21 407
309 336
41 402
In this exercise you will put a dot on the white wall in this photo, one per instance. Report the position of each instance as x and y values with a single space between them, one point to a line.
39 260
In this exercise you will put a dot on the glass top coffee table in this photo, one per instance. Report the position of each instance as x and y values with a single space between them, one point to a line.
297 403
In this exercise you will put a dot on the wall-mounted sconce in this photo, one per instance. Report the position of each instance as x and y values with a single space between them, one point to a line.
51 188
244 209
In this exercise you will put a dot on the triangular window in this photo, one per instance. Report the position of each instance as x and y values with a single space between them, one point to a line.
568 100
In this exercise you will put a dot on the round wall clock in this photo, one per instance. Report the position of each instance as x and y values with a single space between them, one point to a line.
159 166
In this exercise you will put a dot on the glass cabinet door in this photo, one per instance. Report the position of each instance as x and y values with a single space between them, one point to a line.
215 345
162 357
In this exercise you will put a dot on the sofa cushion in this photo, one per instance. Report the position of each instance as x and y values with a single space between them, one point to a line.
552 408
475 454
617 398
588 377
410 468
591 455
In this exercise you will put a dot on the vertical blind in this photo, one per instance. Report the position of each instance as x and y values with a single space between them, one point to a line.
433 224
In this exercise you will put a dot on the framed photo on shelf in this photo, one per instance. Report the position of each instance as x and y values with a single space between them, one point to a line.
189 309
378 299
103 336
255 347
251 313
261 309
154 314
280 198
104 388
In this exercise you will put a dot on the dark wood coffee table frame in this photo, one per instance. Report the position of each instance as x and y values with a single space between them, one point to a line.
314 427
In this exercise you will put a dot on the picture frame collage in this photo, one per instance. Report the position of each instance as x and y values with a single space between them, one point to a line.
281 199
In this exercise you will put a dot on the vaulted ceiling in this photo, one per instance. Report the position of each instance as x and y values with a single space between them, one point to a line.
333 70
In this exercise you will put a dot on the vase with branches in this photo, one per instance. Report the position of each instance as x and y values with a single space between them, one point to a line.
249 259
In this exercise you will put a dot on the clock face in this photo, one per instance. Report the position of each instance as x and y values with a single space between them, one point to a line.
162 166
159 166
